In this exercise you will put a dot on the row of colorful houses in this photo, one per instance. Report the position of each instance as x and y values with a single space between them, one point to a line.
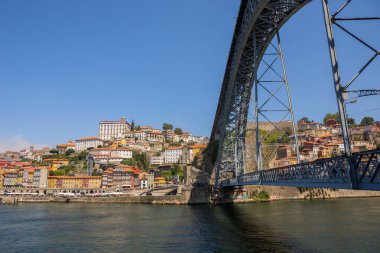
120 177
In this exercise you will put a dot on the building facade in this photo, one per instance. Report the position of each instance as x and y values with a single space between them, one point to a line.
121 176
86 143
109 130
74 182
62 148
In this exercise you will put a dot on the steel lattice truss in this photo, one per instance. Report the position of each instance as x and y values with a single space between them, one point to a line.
334 172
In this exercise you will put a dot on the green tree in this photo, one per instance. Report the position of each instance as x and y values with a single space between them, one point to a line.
263 195
56 173
82 155
351 121
53 151
67 169
138 128
367 121
176 169
167 126
133 125
275 137
129 161
378 146
167 175
99 146
96 173
174 144
141 159
331 116
178 131
69 151
306 119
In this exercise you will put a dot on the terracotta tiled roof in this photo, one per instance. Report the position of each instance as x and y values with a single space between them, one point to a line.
66 145
89 138
200 146
74 177
173 148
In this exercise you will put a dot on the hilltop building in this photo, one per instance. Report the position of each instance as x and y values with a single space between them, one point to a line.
86 143
109 130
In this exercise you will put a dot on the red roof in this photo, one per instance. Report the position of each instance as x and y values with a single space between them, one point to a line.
89 138
66 145
174 148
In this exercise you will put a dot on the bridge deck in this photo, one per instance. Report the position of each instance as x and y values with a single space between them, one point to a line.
360 172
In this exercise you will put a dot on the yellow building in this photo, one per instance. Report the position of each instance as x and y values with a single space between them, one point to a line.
13 178
324 152
159 181
119 142
198 149
74 182
1 179
321 133
55 163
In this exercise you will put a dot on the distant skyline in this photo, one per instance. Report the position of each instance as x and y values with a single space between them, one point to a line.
66 65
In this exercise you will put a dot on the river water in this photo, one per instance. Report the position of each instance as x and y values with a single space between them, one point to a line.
340 225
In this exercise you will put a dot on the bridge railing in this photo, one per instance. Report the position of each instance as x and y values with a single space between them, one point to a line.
360 171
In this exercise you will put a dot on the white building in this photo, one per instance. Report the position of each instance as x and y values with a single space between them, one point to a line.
86 143
108 130
178 154
146 128
105 159
173 154
156 160
109 155
140 135
100 151
121 152
40 178
154 136
147 181
62 148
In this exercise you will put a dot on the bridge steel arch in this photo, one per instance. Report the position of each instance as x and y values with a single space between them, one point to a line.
257 24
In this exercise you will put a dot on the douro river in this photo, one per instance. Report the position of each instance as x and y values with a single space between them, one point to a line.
340 225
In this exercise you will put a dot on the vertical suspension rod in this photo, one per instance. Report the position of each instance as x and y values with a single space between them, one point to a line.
289 97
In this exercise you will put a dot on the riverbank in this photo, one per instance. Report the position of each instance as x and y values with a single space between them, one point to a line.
286 193
159 200
170 199
201 196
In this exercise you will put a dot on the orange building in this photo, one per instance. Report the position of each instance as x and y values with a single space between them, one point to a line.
198 148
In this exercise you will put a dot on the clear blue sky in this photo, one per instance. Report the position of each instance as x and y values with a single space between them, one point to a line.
66 65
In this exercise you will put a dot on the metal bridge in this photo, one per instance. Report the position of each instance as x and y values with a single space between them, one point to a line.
256 31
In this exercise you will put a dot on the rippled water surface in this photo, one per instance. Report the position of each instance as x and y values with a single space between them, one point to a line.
345 225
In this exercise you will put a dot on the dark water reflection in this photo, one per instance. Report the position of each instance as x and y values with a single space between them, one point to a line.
349 225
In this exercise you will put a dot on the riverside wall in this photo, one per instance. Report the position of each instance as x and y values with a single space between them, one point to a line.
281 192
202 195
170 199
